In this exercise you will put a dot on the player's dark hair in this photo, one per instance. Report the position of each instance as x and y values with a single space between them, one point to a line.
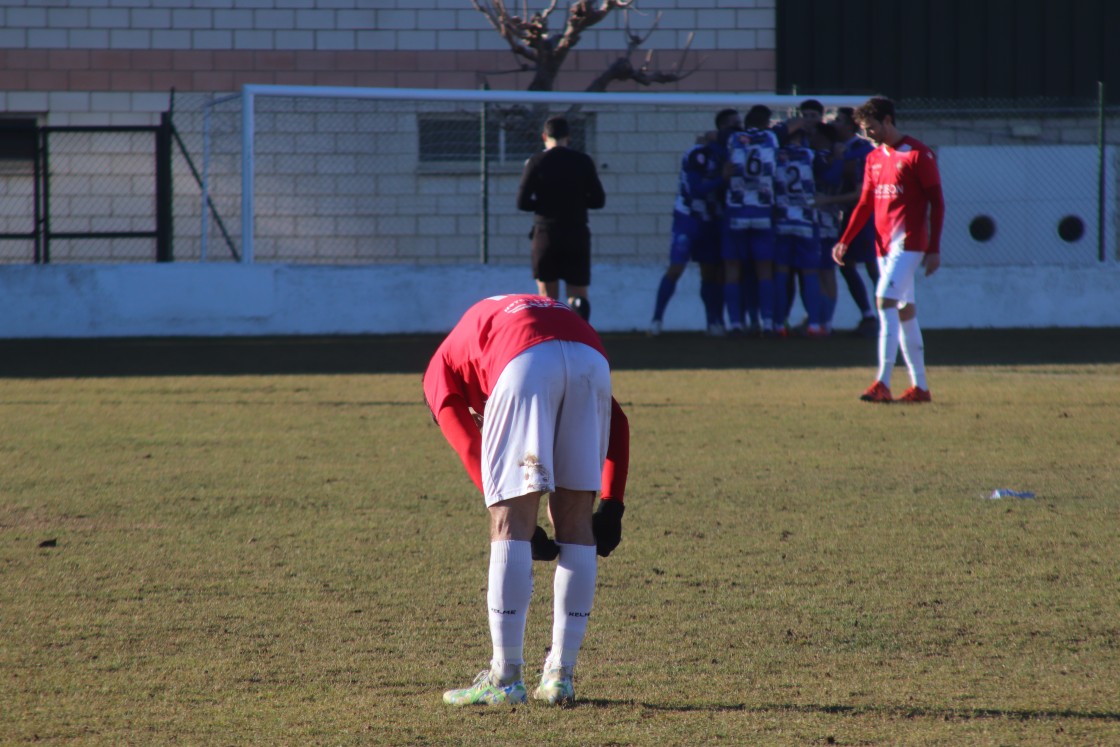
724 117
758 116
877 108
828 131
557 128
812 105
848 112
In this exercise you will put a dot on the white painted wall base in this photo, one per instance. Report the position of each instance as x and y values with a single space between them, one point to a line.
42 301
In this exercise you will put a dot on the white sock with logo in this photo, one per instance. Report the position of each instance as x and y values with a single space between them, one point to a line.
507 597
914 352
573 594
889 334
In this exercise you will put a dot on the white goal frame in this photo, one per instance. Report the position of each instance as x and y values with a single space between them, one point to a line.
251 92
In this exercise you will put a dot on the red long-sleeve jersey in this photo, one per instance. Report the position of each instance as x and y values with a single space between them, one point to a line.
902 187
467 364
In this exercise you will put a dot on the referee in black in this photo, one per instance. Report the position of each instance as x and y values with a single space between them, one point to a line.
559 185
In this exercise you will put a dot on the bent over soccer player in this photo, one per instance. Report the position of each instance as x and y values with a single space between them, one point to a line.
521 389
902 187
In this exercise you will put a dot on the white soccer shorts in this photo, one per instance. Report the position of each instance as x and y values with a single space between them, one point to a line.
897 271
547 422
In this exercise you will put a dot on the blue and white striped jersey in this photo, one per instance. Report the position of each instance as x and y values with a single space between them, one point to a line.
794 192
700 180
828 175
750 193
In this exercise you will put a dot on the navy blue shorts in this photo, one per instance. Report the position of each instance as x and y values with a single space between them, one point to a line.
748 245
862 248
699 245
802 252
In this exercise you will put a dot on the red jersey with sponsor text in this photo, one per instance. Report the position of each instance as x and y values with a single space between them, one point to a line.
491 334
902 188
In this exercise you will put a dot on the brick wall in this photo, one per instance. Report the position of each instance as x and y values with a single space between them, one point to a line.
145 46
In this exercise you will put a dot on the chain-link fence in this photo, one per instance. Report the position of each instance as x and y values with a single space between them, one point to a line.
91 194
100 183
18 218
348 180
1026 183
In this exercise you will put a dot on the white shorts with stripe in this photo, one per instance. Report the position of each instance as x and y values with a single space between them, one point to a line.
547 422
897 271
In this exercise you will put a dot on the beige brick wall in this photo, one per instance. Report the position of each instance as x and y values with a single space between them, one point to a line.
65 56
348 25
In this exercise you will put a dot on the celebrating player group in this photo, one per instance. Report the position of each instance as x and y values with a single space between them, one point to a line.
770 209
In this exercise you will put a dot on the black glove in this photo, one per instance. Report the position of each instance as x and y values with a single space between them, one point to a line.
543 547
606 524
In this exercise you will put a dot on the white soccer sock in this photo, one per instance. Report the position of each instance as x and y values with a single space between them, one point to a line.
889 334
573 594
914 352
507 597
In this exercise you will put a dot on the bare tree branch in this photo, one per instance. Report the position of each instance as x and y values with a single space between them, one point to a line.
582 15
529 38
622 69
544 53
517 33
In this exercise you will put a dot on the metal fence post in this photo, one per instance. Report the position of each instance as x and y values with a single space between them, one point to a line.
1102 190
164 192
38 171
46 220
484 175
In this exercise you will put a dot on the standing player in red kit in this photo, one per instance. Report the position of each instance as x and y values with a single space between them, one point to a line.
902 187
521 389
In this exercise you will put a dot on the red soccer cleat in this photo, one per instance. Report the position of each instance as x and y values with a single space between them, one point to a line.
816 331
877 392
914 395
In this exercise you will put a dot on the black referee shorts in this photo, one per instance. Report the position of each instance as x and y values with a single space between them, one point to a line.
562 252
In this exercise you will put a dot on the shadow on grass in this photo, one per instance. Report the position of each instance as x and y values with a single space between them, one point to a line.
410 353
904 712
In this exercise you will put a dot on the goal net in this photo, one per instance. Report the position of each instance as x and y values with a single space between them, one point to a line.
353 175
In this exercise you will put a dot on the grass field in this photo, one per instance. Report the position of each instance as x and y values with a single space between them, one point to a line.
263 542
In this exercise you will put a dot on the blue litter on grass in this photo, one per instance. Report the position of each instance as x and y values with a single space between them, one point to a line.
999 493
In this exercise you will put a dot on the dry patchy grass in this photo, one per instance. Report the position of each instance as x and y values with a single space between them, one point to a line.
299 560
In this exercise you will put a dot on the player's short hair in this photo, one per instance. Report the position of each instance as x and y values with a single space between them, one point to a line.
876 108
724 117
848 113
758 116
557 128
812 105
